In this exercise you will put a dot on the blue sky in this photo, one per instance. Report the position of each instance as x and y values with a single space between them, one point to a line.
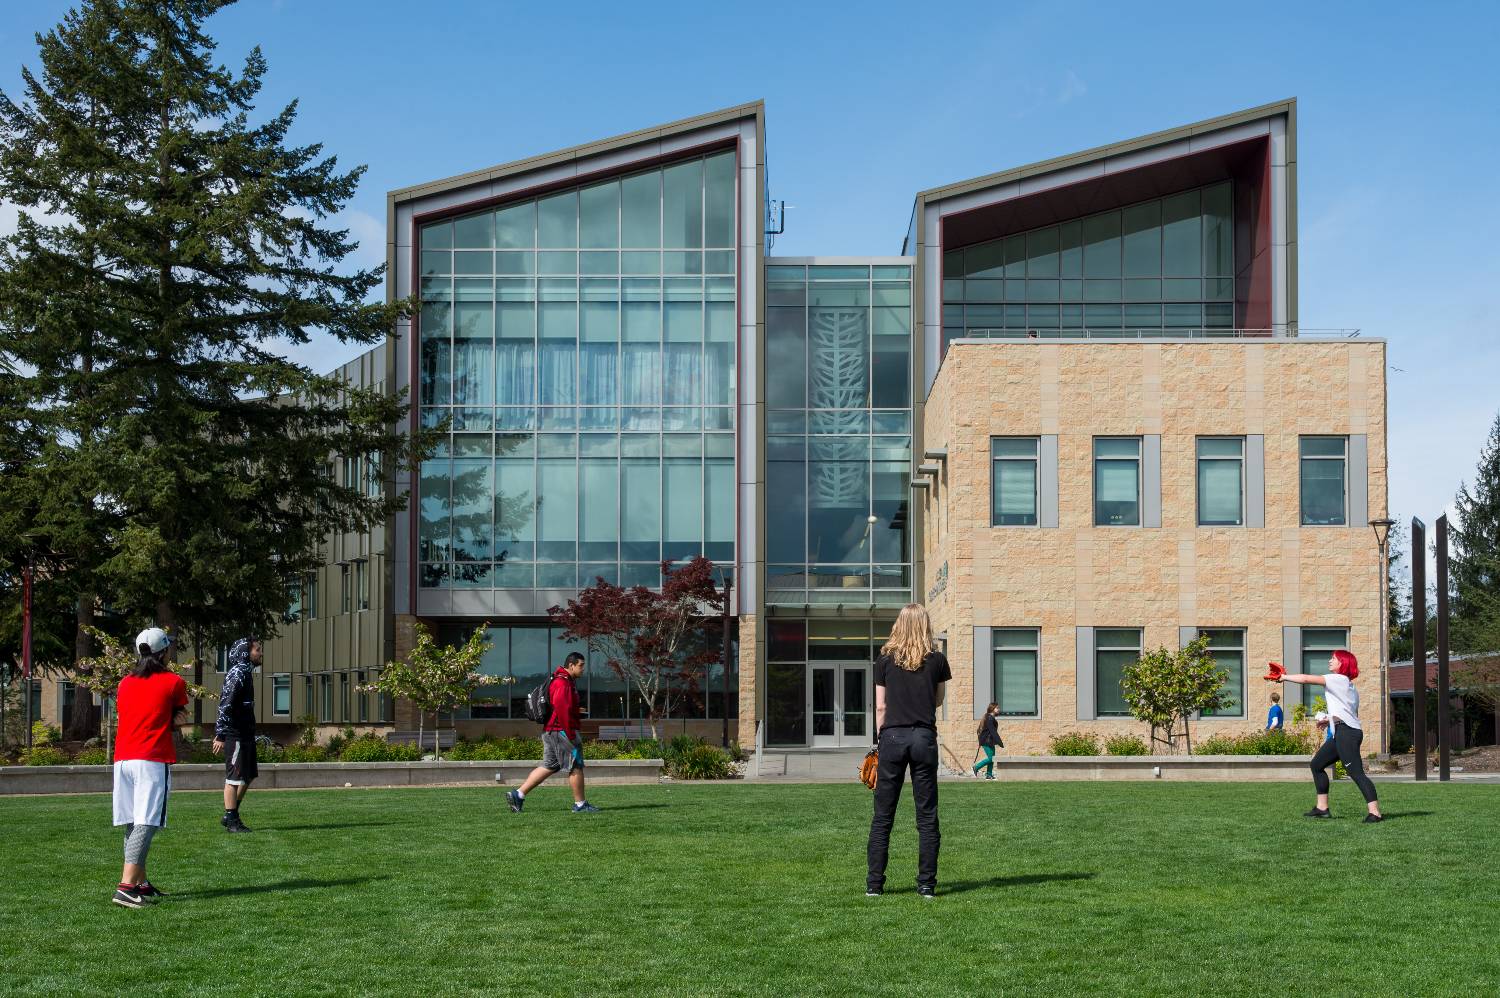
1399 132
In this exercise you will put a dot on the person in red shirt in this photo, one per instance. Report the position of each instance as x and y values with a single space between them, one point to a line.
562 744
150 701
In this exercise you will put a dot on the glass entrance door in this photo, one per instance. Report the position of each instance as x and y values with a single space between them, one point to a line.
839 705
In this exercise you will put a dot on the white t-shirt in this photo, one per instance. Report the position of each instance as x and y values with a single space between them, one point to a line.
1343 700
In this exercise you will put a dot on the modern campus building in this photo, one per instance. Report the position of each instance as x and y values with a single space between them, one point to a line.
1074 414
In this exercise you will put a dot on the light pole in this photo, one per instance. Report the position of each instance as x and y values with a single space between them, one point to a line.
1382 530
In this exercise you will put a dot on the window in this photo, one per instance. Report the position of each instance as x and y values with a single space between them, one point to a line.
1114 649
362 696
1013 482
281 695
1117 481
1017 685
221 660
1227 647
293 611
325 698
344 697
307 694
351 473
362 583
345 593
1325 468
1221 481
312 596
1318 645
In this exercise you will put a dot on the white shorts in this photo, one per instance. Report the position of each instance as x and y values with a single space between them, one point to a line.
141 788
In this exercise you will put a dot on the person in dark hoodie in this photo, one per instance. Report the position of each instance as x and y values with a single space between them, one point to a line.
562 742
234 731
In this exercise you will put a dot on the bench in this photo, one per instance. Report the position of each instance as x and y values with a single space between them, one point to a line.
446 739
624 732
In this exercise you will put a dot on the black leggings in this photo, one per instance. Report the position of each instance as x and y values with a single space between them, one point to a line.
1343 747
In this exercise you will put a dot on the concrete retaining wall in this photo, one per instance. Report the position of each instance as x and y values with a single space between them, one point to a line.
283 775
1154 767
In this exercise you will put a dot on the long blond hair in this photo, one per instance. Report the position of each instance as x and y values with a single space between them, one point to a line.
911 638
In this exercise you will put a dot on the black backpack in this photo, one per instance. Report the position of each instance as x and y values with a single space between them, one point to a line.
539 703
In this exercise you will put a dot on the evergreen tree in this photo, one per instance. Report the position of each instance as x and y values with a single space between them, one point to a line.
167 244
1474 559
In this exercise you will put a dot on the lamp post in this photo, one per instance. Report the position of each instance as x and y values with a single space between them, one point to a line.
1382 530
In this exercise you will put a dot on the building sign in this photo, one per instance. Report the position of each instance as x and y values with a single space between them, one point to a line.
940 584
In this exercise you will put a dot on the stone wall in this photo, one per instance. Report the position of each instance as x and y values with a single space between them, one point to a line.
1059 579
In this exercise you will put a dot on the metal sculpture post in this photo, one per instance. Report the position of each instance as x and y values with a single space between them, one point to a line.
728 593
1444 737
1419 647
1382 530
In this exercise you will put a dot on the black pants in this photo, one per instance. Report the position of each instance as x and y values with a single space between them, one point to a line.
900 748
1342 747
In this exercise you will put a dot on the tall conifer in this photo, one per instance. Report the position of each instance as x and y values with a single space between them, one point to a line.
168 244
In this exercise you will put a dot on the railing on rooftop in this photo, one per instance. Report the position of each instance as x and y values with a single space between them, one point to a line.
1199 333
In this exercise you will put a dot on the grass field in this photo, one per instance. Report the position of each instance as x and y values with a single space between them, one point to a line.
1077 888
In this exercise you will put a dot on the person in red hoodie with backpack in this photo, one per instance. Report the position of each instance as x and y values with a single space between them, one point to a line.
562 742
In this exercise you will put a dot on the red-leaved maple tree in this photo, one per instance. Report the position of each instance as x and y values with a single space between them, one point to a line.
658 640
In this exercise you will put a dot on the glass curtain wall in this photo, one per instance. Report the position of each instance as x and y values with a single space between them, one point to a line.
529 654
791 643
583 346
1158 268
838 450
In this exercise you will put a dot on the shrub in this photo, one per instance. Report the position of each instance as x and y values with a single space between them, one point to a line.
601 750
641 748
91 757
308 723
339 740
46 755
42 734
198 752
1279 741
737 752
305 753
701 761
490 749
1126 745
365 748
1074 743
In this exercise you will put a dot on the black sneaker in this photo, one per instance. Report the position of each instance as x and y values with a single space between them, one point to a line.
585 808
927 893
128 897
1318 812
874 892
516 801
236 825
1374 819
147 889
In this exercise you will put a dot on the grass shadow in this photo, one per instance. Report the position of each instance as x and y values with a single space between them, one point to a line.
299 884
1393 815
632 807
1020 880
336 824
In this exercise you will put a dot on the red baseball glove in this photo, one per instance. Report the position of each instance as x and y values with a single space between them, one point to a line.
1274 671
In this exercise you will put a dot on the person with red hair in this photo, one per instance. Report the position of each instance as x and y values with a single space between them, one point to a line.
1343 721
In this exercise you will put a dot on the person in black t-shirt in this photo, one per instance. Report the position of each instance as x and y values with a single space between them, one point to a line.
909 678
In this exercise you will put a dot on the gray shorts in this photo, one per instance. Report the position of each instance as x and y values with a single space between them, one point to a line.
557 752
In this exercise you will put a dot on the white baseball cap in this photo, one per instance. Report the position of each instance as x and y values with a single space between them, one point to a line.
153 638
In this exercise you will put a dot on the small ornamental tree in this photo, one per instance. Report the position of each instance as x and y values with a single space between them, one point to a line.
436 677
659 641
101 675
1164 687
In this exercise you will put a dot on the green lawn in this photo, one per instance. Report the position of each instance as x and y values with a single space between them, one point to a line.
1077 888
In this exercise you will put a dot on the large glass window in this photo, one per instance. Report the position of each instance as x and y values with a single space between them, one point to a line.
281 695
1158 268
582 346
1114 649
1221 481
838 450
527 655
1318 645
1325 469
1013 481
1117 481
1227 648
1017 676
